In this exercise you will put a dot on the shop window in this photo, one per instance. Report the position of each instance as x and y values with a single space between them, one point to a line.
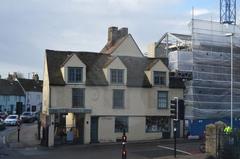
121 123
157 124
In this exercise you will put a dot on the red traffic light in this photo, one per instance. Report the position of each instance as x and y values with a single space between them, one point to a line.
124 138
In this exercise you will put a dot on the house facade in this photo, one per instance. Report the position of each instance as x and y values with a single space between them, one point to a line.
95 96
33 91
10 93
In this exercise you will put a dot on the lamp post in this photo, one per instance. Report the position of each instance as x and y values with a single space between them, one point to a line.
231 38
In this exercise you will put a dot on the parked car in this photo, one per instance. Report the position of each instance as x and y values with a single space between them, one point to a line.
27 117
2 124
3 115
36 115
11 120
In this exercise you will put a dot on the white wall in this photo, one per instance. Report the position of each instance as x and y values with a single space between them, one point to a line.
34 99
128 48
46 89
136 129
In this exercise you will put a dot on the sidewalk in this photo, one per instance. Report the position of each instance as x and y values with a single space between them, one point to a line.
196 156
28 137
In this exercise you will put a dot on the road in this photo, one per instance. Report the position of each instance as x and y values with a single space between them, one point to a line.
150 150
135 151
3 134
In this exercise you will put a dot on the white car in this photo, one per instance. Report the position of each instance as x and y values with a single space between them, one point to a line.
11 120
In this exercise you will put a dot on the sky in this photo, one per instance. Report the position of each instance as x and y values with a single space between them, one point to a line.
28 27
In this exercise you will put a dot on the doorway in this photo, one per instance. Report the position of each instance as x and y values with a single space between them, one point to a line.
94 129
80 128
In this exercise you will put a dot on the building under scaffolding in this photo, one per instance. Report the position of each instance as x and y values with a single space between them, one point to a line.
203 59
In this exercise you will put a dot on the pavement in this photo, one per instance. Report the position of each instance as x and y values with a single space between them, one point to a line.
28 137
29 147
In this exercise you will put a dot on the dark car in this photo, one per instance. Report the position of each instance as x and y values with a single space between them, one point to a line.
27 117
3 115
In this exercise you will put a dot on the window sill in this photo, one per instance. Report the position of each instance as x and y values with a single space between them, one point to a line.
118 84
159 85
165 108
118 108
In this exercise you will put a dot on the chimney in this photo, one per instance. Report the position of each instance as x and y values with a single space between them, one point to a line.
35 77
123 32
112 34
10 77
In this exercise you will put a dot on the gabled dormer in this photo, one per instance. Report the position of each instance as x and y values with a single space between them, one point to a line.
115 72
73 70
157 73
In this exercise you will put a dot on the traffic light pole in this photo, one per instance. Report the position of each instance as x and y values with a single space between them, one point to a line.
18 127
124 142
175 137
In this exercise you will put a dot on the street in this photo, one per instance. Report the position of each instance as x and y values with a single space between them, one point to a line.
147 150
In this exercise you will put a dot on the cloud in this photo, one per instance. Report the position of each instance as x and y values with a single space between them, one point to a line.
31 26
200 11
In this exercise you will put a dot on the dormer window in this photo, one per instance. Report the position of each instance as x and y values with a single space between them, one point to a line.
117 76
159 78
75 74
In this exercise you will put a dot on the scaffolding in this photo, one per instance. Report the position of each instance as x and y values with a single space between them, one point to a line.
208 59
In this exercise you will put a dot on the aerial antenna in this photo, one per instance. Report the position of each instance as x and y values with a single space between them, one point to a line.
228 11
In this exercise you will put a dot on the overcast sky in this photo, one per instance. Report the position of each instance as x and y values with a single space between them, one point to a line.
28 27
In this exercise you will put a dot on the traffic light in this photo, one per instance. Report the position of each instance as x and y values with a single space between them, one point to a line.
173 108
181 109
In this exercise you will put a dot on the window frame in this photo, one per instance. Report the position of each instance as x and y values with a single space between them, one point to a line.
125 125
80 103
157 76
117 76
74 76
114 106
159 98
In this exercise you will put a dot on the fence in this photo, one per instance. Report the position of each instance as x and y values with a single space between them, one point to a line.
228 145
67 135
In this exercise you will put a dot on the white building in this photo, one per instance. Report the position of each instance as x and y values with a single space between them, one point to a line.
97 95
33 93
10 93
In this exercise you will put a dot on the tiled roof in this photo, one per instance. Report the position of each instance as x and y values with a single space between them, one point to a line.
31 85
109 48
95 62
10 87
